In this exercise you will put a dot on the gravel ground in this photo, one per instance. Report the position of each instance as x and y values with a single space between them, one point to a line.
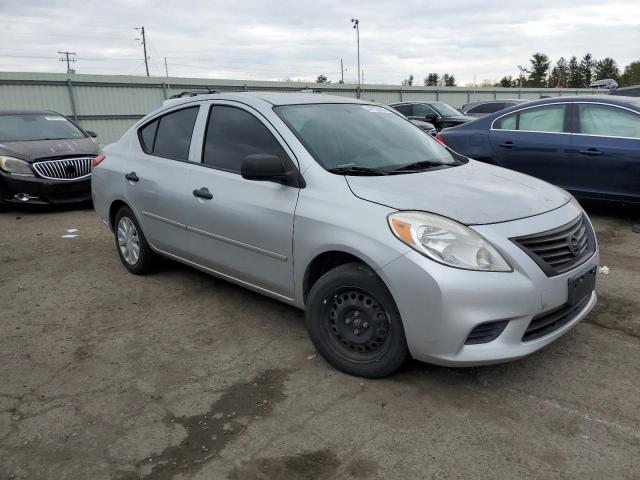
180 375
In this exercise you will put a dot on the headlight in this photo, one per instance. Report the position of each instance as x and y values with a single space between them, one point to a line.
15 166
446 241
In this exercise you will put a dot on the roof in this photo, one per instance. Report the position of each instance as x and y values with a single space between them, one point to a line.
293 98
27 112
613 99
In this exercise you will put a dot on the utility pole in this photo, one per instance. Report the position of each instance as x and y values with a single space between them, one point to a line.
144 47
67 58
341 72
166 69
356 25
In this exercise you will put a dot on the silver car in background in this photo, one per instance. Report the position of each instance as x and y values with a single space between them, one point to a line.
394 246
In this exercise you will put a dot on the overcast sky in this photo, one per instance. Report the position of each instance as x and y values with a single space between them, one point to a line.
269 40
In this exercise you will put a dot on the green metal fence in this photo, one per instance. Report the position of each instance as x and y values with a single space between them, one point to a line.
109 104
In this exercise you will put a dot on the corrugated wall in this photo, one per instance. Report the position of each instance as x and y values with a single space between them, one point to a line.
109 104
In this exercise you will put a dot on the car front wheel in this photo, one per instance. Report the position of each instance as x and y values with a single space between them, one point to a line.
354 323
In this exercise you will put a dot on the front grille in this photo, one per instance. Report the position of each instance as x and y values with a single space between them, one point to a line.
561 249
548 322
485 333
65 168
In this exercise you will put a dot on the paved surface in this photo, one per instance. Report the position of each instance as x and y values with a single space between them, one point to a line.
179 375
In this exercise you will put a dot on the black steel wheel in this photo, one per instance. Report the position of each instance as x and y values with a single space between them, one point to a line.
354 322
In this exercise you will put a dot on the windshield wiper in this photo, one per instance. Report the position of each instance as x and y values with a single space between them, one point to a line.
418 166
354 170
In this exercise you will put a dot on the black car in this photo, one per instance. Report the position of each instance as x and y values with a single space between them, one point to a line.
439 114
44 158
589 145
482 108
425 127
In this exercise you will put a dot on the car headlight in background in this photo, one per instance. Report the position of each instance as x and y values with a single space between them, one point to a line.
15 166
446 241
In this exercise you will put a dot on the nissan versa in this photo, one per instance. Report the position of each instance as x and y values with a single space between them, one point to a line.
395 246
44 158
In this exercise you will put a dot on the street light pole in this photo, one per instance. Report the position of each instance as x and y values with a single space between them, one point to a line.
356 25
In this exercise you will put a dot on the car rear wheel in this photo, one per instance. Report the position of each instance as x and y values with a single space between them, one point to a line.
354 323
132 246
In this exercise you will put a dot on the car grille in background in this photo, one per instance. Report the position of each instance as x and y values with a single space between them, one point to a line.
485 333
561 249
64 169
550 321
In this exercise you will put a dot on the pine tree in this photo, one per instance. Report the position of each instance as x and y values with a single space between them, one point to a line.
575 74
560 74
587 65
431 80
631 75
449 80
539 70
407 82
607 68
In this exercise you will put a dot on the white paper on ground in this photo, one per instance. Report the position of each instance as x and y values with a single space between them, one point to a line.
69 236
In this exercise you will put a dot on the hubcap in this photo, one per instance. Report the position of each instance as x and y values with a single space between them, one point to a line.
356 322
128 241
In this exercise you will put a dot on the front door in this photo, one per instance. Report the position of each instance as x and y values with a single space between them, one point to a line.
606 152
535 141
155 179
241 228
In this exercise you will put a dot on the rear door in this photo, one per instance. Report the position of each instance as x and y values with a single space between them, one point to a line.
606 151
155 180
245 228
536 141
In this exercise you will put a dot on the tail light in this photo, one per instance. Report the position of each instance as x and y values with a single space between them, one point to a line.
97 161
440 138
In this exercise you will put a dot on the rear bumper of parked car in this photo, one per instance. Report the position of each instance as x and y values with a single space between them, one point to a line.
40 191
440 306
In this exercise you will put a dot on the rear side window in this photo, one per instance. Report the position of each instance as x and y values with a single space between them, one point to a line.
170 135
404 109
232 134
608 121
540 119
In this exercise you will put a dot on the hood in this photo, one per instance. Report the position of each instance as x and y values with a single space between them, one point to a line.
35 149
474 193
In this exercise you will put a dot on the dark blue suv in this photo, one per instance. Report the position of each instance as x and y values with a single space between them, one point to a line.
589 145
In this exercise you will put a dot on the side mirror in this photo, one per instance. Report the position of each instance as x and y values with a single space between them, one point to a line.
270 168
91 133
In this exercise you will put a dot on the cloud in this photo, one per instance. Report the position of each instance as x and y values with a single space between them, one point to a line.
296 39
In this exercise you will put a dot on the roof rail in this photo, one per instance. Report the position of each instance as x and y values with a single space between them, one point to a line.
193 93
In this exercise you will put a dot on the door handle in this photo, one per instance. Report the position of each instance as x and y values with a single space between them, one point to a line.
203 193
132 177
507 145
591 151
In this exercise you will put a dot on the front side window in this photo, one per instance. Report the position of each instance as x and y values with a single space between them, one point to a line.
360 136
540 119
608 121
32 127
445 110
422 110
170 135
232 135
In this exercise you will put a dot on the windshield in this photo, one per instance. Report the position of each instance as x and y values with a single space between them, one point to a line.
445 110
358 136
18 128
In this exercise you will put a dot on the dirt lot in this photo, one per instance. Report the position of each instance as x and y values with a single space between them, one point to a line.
179 375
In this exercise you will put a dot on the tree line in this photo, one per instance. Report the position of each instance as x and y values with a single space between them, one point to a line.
572 73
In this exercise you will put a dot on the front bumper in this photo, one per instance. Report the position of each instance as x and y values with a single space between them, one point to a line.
440 305
40 191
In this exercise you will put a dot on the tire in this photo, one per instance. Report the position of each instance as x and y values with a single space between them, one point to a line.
131 244
354 323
